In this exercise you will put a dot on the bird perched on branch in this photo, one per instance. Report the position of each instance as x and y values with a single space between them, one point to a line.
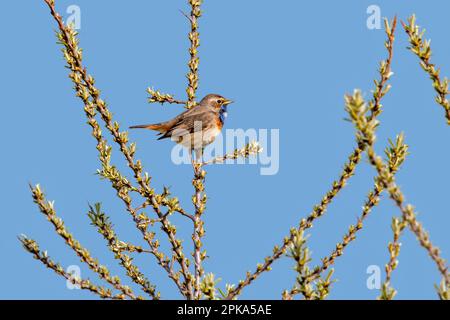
194 128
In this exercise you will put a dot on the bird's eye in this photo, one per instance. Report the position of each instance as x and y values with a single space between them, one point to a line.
220 101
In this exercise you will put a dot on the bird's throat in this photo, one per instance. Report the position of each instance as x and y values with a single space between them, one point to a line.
223 114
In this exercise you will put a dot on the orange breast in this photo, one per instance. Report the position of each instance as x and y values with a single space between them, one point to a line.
219 124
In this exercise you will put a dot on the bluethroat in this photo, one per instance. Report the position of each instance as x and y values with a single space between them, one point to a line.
197 127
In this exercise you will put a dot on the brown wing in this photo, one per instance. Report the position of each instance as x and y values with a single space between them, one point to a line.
190 122
163 127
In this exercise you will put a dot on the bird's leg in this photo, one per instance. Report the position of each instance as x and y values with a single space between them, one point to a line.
192 158
199 155
197 162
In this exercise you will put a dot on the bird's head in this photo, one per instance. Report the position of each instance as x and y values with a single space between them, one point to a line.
216 102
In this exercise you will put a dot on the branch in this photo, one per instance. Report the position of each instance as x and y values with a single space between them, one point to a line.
46 207
387 292
199 200
443 290
73 56
208 286
348 171
32 247
250 149
396 154
193 63
317 212
120 183
105 228
300 253
156 96
357 110
421 48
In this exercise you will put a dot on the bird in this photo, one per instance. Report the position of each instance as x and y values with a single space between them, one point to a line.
196 127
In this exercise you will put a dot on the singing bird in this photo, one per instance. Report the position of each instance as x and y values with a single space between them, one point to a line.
197 127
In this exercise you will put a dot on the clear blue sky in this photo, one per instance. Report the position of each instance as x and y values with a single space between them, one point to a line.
287 65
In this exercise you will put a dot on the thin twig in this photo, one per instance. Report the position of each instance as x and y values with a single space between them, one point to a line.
156 96
421 48
193 63
252 148
105 228
387 292
408 213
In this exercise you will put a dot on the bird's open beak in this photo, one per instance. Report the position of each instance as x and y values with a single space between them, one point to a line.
227 102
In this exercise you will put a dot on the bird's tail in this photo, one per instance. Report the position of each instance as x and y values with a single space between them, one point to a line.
157 127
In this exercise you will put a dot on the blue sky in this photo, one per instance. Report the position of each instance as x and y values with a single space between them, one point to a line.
287 66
